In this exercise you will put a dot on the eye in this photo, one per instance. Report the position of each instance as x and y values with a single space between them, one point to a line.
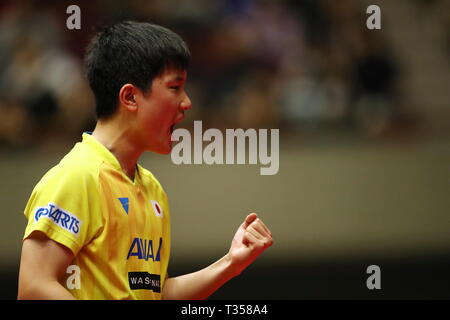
176 88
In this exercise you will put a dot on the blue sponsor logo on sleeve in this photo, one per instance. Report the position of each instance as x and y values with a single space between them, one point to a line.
60 217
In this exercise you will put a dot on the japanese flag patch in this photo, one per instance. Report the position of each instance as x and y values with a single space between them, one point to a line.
157 208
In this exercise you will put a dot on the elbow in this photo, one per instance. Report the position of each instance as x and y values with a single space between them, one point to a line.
166 292
24 292
29 290
24 288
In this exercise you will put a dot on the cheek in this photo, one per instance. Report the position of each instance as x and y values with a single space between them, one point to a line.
151 115
167 112
158 115
157 125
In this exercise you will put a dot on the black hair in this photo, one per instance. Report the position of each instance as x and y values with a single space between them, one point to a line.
130 52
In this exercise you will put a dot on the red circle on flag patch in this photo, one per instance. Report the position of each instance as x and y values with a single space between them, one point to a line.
157 208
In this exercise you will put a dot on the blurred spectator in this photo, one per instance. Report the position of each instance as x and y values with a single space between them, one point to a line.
41 83
373 107
256 63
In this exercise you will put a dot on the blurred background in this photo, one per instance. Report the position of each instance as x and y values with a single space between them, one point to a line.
364 119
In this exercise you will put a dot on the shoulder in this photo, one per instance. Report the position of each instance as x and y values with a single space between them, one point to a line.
148 178
78 167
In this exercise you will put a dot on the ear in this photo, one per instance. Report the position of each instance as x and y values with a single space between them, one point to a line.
127 97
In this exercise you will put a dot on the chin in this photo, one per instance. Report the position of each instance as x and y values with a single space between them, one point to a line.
162 149
163 145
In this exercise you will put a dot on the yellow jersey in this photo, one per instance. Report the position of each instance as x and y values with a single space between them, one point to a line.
117 229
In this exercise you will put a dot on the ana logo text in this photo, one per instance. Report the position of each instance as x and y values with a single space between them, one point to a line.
143 249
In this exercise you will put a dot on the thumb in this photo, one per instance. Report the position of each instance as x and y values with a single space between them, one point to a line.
249 219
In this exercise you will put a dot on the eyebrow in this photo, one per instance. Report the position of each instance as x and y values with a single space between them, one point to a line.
177 78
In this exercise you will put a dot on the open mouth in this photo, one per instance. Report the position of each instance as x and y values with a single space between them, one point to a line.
179 119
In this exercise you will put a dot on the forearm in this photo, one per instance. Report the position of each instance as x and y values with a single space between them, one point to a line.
201 284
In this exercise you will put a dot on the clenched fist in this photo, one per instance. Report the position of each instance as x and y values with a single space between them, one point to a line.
250 240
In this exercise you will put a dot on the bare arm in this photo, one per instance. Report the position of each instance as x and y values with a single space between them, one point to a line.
43 262
250 240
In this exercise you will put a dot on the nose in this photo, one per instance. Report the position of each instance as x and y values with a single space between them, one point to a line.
186 103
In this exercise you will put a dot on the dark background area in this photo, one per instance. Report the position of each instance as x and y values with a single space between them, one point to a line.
419 277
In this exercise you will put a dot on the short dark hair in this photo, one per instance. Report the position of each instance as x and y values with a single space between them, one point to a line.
130 52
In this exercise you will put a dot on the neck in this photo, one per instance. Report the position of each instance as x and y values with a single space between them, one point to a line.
117 140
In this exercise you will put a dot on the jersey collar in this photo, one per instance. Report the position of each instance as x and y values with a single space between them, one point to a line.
107 155
101 150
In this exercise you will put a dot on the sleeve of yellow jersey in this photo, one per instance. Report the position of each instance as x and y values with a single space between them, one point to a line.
65 205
